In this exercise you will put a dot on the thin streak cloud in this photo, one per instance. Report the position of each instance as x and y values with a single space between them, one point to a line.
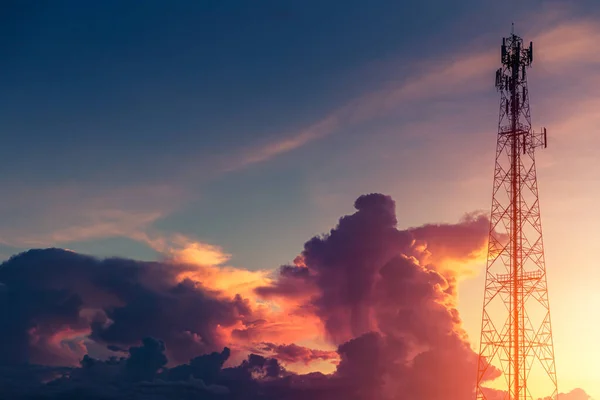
78 212
566 45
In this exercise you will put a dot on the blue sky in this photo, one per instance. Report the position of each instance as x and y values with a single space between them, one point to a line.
126 92
110 96
167 111
255 125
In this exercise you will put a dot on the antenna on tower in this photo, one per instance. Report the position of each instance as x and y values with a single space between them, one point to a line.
516 333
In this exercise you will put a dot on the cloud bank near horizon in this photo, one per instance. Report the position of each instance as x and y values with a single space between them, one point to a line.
380 300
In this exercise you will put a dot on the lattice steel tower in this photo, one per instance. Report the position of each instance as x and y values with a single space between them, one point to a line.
516 334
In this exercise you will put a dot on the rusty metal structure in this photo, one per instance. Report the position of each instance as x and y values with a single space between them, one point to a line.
516 331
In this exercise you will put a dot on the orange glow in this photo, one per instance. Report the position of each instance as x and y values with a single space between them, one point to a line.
277 320
283 320
449 265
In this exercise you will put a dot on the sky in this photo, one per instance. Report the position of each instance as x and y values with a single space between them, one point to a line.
228 133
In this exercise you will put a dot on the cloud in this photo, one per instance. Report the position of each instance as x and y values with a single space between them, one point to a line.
65 305
292 353
206 264
568 45
390 317
563 44
183 249
575 394
441 77
60 300
79 212
258 154
457 249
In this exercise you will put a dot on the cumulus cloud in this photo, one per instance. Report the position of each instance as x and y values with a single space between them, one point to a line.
383 307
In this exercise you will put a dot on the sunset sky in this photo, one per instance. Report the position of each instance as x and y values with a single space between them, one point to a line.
228 133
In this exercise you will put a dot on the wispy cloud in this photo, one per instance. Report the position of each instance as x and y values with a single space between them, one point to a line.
440 77
565 44
68 213
267 151
568 44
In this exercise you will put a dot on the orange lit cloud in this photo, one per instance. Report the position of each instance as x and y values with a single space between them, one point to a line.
456 250
179 248
276 320
204 264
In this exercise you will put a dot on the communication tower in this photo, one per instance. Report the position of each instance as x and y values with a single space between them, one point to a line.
516 332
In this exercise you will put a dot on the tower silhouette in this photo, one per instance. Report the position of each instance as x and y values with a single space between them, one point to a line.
516 332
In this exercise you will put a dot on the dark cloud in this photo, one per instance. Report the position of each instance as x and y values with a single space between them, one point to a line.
288 283
206 367
56 298
145 361
292 353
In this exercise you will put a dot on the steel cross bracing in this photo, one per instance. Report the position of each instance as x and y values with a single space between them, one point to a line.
516 333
